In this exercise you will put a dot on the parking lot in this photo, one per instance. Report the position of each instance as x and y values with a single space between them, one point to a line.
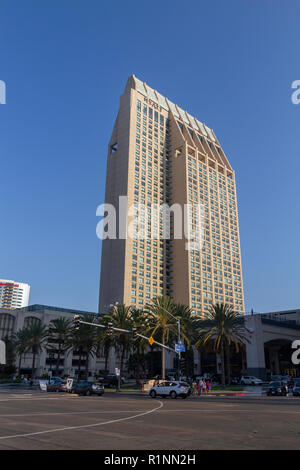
40 420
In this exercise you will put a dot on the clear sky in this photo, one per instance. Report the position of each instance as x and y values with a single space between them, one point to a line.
65 63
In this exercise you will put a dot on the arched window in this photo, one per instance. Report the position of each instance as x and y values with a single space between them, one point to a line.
30 320
7 323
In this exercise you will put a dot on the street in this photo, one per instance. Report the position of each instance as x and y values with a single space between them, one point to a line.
40 420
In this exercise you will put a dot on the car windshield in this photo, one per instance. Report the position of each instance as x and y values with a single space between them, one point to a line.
297 382
184 384
275 384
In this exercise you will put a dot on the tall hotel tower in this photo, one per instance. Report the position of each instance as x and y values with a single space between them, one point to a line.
160 154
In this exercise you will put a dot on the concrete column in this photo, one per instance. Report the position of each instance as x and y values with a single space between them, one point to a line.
274 360
255 352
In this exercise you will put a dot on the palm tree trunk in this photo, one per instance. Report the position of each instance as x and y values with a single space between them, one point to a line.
122 360
163 360
228 365
87 364
58 360
106 361
223 363
20 360
33 366
79 366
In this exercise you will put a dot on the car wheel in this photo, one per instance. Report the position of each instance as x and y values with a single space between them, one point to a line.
173 395
153 394
184 396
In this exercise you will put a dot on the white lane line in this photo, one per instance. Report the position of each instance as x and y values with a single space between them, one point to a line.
11 415
70 428
228 411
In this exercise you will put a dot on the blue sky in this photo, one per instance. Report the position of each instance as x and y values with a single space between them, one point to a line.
65 64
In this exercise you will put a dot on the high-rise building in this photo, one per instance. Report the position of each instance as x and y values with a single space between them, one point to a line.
160 154
13 294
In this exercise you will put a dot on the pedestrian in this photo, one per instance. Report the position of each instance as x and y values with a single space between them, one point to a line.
195 386
208 386
204 387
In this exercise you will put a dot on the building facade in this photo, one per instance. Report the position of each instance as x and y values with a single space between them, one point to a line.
269 350
160 155
12 321
14 294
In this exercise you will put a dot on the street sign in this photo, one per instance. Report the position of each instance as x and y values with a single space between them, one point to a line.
179 347
151 340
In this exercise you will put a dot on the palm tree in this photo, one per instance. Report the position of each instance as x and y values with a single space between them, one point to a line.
160 321
121 317
37 337
85 341
59 334
20 340
140 322
188 326
221 327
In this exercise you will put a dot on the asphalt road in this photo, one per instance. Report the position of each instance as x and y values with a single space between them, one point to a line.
40 420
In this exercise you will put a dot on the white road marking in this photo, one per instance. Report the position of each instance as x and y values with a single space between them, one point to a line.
68 413
70 428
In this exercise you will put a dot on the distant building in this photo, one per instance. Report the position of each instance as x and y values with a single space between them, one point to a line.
14 294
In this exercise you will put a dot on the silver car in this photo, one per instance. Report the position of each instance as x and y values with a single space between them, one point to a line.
171 389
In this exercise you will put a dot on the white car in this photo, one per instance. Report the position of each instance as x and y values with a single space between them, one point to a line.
171 389
250 380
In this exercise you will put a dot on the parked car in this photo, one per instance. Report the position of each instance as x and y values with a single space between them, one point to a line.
57 385
172 389
296 388
89 388
278 388
111 380
250 380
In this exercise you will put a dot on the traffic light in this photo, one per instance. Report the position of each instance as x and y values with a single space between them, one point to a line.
134 333
76 322
110 328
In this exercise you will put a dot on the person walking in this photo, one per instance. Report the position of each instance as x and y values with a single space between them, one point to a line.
195 387
204 387
208 386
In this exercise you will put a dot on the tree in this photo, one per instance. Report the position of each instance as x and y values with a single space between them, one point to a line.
85 341
160 321
221 327
120 316
140 322
37 337
20 340
188 326
59 337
